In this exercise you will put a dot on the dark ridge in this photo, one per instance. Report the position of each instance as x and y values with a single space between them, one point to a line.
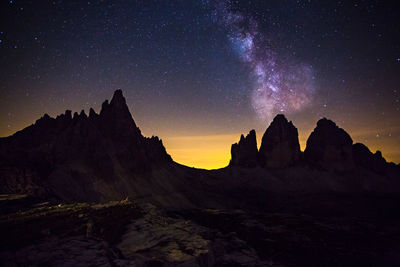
46 155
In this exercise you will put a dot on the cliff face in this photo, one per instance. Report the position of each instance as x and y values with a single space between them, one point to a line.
79 154
280 146
330 147
245 153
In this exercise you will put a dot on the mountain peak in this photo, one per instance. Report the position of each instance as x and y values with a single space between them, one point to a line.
118 98
329 129
107 148
116 117
330 147
326 123
92 113
244 153
280 144
117 104
280 118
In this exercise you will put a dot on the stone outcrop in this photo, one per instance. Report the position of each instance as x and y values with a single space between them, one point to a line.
329 147
244 153
280 146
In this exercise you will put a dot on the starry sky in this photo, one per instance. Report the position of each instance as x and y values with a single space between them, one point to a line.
199 73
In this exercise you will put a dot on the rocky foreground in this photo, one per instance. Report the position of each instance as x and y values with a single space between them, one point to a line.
126 233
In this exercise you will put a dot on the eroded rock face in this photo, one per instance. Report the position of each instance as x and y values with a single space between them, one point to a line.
280 146
244 153
330 147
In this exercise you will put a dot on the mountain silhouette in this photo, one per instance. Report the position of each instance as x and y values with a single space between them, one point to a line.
280 144
80 157
328 148
245 153
104 157
101 193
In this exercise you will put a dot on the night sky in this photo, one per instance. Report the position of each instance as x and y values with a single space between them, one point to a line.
200 73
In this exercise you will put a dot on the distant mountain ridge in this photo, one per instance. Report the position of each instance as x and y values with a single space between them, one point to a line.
101 157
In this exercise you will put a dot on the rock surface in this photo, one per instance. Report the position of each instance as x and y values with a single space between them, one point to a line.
129 233
280 146
329 147
245 152
119 233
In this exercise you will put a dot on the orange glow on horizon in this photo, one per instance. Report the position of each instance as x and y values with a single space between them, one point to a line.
205 152
214 151
208 151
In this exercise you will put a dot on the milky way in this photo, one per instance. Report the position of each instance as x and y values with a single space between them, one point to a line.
206 68
280 84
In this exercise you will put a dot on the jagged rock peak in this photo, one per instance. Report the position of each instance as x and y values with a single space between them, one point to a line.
45 117
280 146
330 147
44 120
104 106
68 114
116 121
116 105
118 98
92 113
82 114
105 147
244 153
